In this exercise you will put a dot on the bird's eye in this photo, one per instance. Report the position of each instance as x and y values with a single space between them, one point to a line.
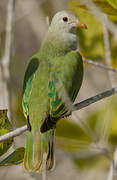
65 19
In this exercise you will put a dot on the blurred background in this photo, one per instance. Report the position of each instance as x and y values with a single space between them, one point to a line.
86 142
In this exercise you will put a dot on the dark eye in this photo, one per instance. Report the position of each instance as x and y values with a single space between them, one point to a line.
65 19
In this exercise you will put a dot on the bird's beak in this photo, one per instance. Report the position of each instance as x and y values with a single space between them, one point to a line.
79 24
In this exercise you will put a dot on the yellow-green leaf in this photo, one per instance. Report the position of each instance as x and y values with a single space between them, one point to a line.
113 3
5 127
107 6
14 158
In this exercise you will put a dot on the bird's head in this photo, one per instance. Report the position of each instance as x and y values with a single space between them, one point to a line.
66 21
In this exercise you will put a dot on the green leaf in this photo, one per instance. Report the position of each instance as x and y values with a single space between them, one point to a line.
5 127
107 6
113 3
14 158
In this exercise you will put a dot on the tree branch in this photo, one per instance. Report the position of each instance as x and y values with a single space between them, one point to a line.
94 99
75 107
98 64
14 133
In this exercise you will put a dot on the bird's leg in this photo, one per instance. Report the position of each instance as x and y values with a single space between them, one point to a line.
28 123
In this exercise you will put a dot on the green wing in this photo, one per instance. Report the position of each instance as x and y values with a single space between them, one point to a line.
65 77
69 75
31 69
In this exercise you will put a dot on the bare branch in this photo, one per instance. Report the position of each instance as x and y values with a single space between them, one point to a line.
14 133
98 64
94 99
74 107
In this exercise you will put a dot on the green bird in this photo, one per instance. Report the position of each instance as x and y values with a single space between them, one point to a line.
57 63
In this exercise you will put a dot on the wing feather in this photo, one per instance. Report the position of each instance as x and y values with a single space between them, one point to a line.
27 86
70 76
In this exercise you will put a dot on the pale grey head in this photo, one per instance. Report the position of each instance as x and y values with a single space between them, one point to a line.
61 36
66 21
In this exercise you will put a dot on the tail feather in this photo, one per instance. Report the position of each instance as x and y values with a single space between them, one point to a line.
37 145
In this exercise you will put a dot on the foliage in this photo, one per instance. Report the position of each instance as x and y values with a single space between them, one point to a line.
14 158
5 127
107 6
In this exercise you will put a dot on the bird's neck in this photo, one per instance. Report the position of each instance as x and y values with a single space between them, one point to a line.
59 43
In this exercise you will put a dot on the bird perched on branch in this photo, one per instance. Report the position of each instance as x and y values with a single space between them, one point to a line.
57 63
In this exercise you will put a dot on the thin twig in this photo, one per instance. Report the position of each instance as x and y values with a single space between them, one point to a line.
101 65
75 107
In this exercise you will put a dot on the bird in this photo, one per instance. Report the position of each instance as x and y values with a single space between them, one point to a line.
56 63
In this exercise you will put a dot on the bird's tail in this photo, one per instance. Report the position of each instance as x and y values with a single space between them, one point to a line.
37 145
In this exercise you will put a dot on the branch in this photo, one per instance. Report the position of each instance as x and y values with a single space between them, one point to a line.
94 99
101 65
14 133
75 107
